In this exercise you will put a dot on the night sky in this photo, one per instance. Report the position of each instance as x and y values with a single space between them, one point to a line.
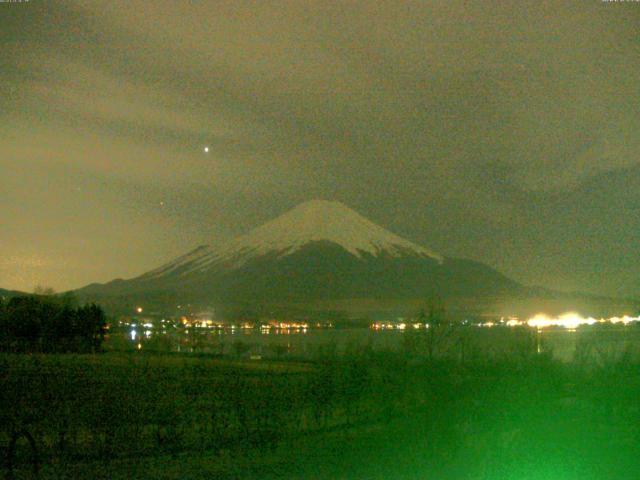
506 132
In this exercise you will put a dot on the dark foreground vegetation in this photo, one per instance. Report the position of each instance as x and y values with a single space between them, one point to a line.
362 414
49 323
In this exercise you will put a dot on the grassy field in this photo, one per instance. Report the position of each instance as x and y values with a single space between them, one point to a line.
364 414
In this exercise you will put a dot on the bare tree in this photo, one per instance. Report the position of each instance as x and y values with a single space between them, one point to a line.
438 329
44 291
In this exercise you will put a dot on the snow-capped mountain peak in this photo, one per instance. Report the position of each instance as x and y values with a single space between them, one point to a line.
311 221
322 220
320 250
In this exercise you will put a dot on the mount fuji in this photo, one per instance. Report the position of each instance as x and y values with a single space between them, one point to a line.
319 250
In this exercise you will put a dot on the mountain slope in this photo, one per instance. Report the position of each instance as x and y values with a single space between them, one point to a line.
317 251
10 293
313 221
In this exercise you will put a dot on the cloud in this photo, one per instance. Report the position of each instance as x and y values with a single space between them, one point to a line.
463 125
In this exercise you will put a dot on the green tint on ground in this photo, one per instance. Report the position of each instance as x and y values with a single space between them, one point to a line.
364 415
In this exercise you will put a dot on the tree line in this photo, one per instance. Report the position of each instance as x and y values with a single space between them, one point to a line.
50 323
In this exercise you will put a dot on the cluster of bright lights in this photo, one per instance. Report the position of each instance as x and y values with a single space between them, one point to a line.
568 320
201 323
397 326
284 326
625 319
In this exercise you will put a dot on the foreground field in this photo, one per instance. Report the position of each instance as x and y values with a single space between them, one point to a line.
363 414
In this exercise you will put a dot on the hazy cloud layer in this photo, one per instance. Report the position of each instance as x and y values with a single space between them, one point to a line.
501 131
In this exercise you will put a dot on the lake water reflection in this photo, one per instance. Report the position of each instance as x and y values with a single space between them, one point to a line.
595 342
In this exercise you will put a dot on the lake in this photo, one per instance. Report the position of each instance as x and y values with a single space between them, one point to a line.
597 342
